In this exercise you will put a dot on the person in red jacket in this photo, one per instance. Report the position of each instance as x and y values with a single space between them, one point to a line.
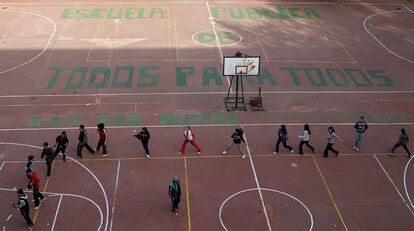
34 184
189 138
103 139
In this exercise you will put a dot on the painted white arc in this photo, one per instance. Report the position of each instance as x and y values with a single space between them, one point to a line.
376 39
264 189
44 49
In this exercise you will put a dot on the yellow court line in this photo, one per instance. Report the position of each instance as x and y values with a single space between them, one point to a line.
329 192
176 39
258 39
337 40
187 193
94 36
44 189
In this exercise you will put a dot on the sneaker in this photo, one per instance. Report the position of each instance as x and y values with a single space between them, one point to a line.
105 155
244 156
179 153
291 151
147 155
36 207
390 154
41 200
356 149
47 178
224 152
275 153
336 154
198 152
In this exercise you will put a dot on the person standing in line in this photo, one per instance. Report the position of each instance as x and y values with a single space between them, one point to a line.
49 155
189 137
402 141
83 141
103 139
360 127
282 138
330 142
174 191
34 184
29 164
24 207
237 138
144 136
304 139
61 143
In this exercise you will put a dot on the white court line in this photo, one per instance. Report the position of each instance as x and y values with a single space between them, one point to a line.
205 93
44 49
406 7
84 167
392 182
199 125
264 189
116 190
405 182
65 194
1 166
8 218
390 51
257 182
56 214
213 24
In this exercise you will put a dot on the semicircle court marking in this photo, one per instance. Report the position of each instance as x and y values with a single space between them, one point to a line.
264 189
84 167
214 42
405 182
44 49
376 39
52 194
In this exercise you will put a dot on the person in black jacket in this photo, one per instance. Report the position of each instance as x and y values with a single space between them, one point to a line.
174 191
144 136
237 138
83 141
24 207
62 142
402 141
49 155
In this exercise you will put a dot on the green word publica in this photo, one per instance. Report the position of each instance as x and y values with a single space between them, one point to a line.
338 77
113 13
135 119
276 12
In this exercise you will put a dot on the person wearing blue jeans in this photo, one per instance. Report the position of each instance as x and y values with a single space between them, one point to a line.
360 127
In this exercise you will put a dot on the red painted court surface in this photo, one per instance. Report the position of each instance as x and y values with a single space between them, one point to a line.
159 64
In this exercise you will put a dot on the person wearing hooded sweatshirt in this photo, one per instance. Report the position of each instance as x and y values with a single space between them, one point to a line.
174 191
24 207
402 141
61 143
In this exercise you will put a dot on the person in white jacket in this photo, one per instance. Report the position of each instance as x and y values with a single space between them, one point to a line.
304 139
